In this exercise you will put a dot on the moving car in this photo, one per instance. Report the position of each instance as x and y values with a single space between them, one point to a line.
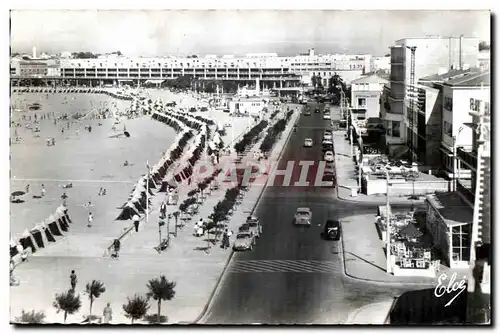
327 137
244 241
254 226
327 116
332 229
316 110
329 156
308 142
307 112
303 216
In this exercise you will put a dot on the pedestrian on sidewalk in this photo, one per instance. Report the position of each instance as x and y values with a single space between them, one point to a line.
107 314
73 280
136 223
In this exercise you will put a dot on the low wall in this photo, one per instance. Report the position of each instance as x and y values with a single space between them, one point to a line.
69 90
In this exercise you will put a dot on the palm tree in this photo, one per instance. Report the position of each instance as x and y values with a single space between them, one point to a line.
33 317
136 308
94 289
161 289
176 214
67 302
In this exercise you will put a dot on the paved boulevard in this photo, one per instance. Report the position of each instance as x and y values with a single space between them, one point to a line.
293 276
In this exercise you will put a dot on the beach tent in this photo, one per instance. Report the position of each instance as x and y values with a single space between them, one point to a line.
127 213
54 229
13 248
26 241
63 225
38 237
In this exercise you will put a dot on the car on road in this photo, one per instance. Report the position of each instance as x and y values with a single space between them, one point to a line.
254 226
303 216
328 133
329 157
307 112
332 229
327 116
327 145
316 110
308 142
244 241
327 137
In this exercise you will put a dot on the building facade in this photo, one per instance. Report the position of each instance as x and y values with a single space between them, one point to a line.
431 55
269 68
365 94
380 64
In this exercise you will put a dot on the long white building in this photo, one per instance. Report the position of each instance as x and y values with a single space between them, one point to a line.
271 69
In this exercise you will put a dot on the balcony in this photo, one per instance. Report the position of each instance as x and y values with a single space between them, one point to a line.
468 157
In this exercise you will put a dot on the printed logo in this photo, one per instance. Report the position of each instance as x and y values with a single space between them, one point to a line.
452 287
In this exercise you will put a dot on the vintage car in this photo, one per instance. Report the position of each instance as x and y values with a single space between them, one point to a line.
254 226
308 142
332 229
244 241
303 216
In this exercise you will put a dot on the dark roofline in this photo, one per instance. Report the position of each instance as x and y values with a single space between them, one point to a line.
472 78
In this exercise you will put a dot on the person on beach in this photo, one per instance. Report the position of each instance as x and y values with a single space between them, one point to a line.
107 314
28 188
77 132
163 210
116 248
73 280
90 220
104 192
100 192
43 190
62 130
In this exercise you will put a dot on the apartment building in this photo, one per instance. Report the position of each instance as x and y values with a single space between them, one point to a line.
365 94
269 68
460 94
28 68
380 64
484 60
430 55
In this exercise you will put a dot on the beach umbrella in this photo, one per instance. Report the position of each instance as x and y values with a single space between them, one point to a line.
18 193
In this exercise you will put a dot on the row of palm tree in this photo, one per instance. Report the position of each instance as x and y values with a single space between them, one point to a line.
159 289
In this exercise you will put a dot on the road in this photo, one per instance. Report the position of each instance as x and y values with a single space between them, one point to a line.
293 276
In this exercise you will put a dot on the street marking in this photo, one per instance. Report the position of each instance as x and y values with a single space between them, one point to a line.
285 266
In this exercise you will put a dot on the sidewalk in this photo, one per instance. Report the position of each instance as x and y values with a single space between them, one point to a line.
364 255
371 314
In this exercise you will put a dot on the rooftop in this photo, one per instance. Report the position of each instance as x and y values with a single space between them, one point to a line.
472 79
448 75
452 208
371 78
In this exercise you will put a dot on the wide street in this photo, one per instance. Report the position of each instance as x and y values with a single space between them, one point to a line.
293 276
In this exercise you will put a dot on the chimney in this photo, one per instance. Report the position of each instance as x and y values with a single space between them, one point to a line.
34 52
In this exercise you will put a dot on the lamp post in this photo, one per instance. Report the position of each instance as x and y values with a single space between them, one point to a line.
388 226
455 163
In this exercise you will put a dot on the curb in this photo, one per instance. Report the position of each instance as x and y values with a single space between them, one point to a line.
354 313
382 202
219 280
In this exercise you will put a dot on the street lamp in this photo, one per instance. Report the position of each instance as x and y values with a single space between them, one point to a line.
455 164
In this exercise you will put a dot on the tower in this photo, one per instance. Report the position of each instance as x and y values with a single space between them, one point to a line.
34 52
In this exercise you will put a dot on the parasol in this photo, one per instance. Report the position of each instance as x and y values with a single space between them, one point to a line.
18 193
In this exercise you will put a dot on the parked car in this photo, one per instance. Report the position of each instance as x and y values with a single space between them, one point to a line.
316 110
308 142
332 229
327 117
327 146
329 157
303 216
327 137
328 133
254 226
244 241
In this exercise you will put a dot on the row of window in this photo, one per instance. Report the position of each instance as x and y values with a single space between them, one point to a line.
475 105
393 129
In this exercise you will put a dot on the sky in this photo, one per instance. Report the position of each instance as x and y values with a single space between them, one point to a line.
170 32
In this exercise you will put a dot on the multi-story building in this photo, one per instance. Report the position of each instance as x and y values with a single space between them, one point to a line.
365 94
270 69
53 71
431 55
460 94
380 64
28 68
